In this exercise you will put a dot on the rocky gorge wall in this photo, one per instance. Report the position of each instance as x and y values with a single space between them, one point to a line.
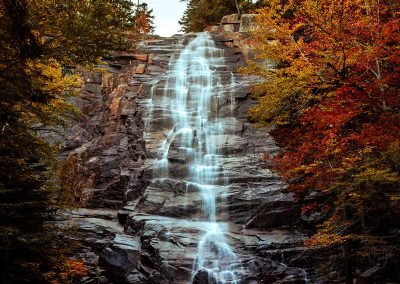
234 30
106 145
136 233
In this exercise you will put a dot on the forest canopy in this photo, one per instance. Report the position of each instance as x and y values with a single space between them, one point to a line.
331 85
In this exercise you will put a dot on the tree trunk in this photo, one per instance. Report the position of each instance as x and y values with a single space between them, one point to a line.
348 269
237 7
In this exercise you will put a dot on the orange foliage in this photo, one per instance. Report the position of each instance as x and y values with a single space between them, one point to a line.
66 271
334 94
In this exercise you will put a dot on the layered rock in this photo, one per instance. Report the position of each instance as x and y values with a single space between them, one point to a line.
150 231
107 145
234 30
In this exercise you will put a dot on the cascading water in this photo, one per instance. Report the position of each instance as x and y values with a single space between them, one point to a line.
191 94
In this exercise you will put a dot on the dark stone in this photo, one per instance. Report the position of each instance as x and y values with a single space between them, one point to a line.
204 277
136 277
116 65
123 216
274 218
117 260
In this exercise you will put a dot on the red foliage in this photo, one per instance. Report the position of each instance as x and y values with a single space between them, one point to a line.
324 144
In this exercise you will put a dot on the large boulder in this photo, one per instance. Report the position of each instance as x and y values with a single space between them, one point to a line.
247 22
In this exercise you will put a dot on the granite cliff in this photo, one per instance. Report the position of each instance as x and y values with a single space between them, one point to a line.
136 228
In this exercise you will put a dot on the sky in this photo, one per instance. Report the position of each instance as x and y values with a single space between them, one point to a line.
166 15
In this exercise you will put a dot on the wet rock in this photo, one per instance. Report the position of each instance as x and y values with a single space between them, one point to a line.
270 271
121 258
181 156
168 272
204 277
247 193
136 277
122 216
116 259
275 213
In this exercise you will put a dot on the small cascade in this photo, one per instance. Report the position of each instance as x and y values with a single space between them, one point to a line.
191 94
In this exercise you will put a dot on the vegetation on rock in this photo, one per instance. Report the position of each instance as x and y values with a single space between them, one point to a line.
331 88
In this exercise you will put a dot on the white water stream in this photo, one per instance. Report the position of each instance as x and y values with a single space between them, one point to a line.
190 95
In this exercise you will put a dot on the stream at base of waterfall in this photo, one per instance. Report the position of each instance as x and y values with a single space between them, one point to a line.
192 92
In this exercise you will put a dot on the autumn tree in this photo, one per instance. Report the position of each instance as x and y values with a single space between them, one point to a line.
143 19
331 89
41 41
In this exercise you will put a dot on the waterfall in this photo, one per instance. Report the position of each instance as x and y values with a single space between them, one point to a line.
191 94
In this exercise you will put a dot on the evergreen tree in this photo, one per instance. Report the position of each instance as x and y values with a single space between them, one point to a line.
202 13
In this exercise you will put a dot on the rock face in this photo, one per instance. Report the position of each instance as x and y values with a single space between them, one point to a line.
141 229
247 22
107 145
234 31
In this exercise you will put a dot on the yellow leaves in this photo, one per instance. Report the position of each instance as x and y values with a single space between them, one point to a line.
395 198
348 163
269 107
49 86
354 195
48 78
270 28
393 153
336 141
374 175
324 240
306 169
292 83
68 175
366 150
330 143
